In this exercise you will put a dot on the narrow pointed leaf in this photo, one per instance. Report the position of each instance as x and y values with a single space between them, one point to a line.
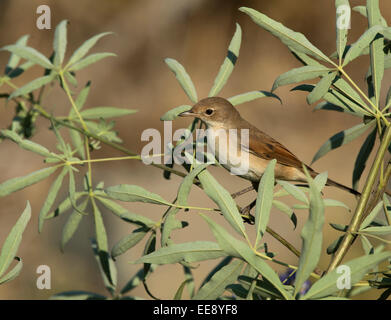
188 251
105 112
187 183
170 223
377 231
362 157
173 113
250 96
72 224
125 214
215 287
362 43
342 32
264 201
287 210
293 40
26 144
321 88
14 59
342 138
31 86
183 78
19 183
53 191
133 193
128 242
376 50
300 74
327 285
228 64
223 199
239 249
64 206
294 191
312 236
363 11
85 47
366 244
92 58
13 273
29 54
60 42
12 242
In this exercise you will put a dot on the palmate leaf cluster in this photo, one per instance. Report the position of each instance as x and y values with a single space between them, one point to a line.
245 269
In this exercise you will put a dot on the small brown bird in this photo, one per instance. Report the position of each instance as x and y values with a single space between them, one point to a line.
219 114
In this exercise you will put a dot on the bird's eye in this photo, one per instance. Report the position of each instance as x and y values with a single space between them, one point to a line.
209 112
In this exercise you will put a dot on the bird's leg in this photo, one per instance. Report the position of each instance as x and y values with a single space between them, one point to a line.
239 193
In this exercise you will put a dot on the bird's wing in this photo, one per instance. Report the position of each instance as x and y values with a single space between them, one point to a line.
265 147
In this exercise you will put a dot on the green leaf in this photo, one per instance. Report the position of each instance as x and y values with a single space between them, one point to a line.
85 47
60 43
12 242
387 207
13 273
29 54
371 216
187 183
287 210
250 96
105 112
312 236
77 295
81 98
362 43
366 244
377 231
342 138
125 214
341 32
321 88
78 143
170 224
31 86
26 144
100 230
128 241
106 266
321 180
333 247
183 78
179 292
264 201
362 157
70 78
92 58
173 113
53 191
376 50
19 183
11 67
294 191
133 193
228 64
223 199
72 224
300 74
363 11
188 251
327 285
64 206
215 287
293 40
239 249
334 203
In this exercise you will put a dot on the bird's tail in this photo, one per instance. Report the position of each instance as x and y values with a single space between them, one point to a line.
343 187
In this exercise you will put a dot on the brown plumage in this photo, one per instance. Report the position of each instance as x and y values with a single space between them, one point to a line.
219 113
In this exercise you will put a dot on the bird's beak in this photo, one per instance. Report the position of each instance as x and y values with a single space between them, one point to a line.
187 114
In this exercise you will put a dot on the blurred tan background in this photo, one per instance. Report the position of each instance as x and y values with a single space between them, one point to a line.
196 33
